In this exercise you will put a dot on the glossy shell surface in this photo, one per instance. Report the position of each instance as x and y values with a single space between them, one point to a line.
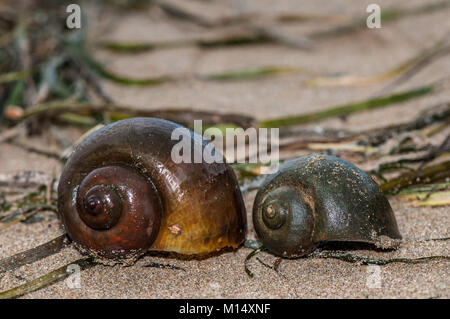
187 208
321 198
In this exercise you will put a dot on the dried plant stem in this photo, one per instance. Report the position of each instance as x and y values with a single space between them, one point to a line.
438 239
163 266
27 212
256 35
440 112
428 56
181 13
247 259
80 53
391 14
404 70
341 147
264 31
431 198
435 128
231 40
37 149
25 179
13 76
34 254
427 174
427 188
370 261
251 73
274 267
46 280
181 115
347 109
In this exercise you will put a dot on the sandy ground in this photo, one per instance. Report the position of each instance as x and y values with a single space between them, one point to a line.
363 53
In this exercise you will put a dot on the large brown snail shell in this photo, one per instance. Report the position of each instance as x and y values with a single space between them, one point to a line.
320 198
121 194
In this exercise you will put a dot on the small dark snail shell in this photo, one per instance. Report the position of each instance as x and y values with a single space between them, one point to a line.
121 194
321 198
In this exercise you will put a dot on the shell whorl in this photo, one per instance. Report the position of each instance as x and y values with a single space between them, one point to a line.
120 194
320 198
284 221
110 202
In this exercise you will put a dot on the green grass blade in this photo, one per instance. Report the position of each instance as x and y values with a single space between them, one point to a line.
347 109
45 280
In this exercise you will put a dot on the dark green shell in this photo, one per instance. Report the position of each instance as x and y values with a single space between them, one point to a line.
320 198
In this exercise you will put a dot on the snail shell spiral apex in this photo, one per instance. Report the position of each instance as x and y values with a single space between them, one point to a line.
320 198
121 195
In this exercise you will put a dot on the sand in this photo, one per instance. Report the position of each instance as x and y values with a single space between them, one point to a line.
364 53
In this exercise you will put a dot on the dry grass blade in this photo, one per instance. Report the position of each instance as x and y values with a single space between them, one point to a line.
370 261
181 13
252 74
347 109
341 147
41 150
434 114
441 49
431 198
388 15
353 80
218 42
293 17
183 115
45 280
138 47
23 180
274 267
13 76
226 76
258 35
425 188
435 128
265 32
298 42
26 212
438 239
19 219
80 53
247 259
249 169
427 174
163 266
34 254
